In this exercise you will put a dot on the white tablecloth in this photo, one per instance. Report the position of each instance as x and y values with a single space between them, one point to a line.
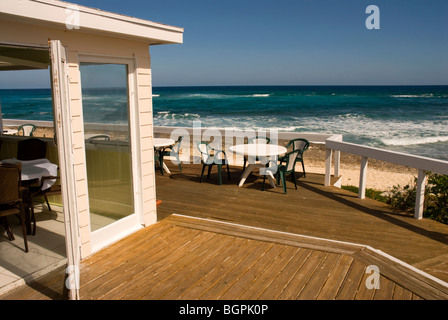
163 142
36 169
258 149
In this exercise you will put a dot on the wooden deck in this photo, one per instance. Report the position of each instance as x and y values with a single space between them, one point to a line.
185 258
226 242
312 210
189 258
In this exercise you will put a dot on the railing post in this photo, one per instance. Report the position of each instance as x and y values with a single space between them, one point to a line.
420 196
328 155
337 162
363 178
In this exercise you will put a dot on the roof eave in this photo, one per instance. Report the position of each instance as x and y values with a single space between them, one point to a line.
59 14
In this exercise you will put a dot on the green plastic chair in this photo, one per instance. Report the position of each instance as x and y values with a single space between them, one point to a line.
286 169
211 156
298 144
173 151
26 130
157 160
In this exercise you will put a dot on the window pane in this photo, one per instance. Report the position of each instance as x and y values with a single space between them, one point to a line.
107 141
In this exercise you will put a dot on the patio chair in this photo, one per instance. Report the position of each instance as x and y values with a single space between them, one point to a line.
100 137
286 169
31 149
211 156
11 198
173 151
298 144
26 130
255 140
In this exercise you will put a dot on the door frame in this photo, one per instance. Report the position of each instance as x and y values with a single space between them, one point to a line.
127 225
63 138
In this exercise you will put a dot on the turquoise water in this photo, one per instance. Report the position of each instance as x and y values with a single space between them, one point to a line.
412 119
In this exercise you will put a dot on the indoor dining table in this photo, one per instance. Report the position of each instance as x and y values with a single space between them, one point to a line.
159 144
254 151
33 171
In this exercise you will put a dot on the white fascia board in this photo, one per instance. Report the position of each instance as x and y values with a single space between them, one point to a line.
91 20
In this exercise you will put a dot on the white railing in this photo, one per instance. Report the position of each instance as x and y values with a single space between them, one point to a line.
423 165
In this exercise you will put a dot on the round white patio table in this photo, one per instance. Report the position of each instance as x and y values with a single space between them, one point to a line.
254 151
159 143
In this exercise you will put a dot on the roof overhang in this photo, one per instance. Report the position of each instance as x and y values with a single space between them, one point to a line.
56 14
23 58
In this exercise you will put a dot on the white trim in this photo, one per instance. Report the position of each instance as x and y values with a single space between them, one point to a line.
63 131
116 230
52 12
134 112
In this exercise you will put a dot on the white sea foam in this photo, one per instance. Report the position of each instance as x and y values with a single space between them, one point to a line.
224 96
178 116
413 141
425 95
261 95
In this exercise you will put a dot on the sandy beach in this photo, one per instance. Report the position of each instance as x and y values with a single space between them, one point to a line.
380 175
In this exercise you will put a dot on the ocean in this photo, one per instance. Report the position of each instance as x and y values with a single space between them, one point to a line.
410 119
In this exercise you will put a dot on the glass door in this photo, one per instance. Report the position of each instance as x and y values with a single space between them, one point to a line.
107 127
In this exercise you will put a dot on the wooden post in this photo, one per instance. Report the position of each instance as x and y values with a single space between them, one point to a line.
363 178
328 155
420 196
337 163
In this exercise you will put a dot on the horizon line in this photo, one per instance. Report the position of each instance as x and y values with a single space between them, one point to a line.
269 85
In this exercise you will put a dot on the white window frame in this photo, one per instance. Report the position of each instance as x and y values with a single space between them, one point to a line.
127 225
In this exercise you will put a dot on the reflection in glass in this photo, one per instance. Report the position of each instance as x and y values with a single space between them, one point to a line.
107 141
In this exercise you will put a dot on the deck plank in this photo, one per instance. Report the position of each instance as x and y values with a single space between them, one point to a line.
352 281
185 268
156 273
296 285
275 288
317 280
269 275
108 276
250 275
237 268
336 278
386 290
401 293
204 278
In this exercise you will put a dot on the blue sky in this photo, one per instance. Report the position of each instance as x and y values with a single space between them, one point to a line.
295 42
